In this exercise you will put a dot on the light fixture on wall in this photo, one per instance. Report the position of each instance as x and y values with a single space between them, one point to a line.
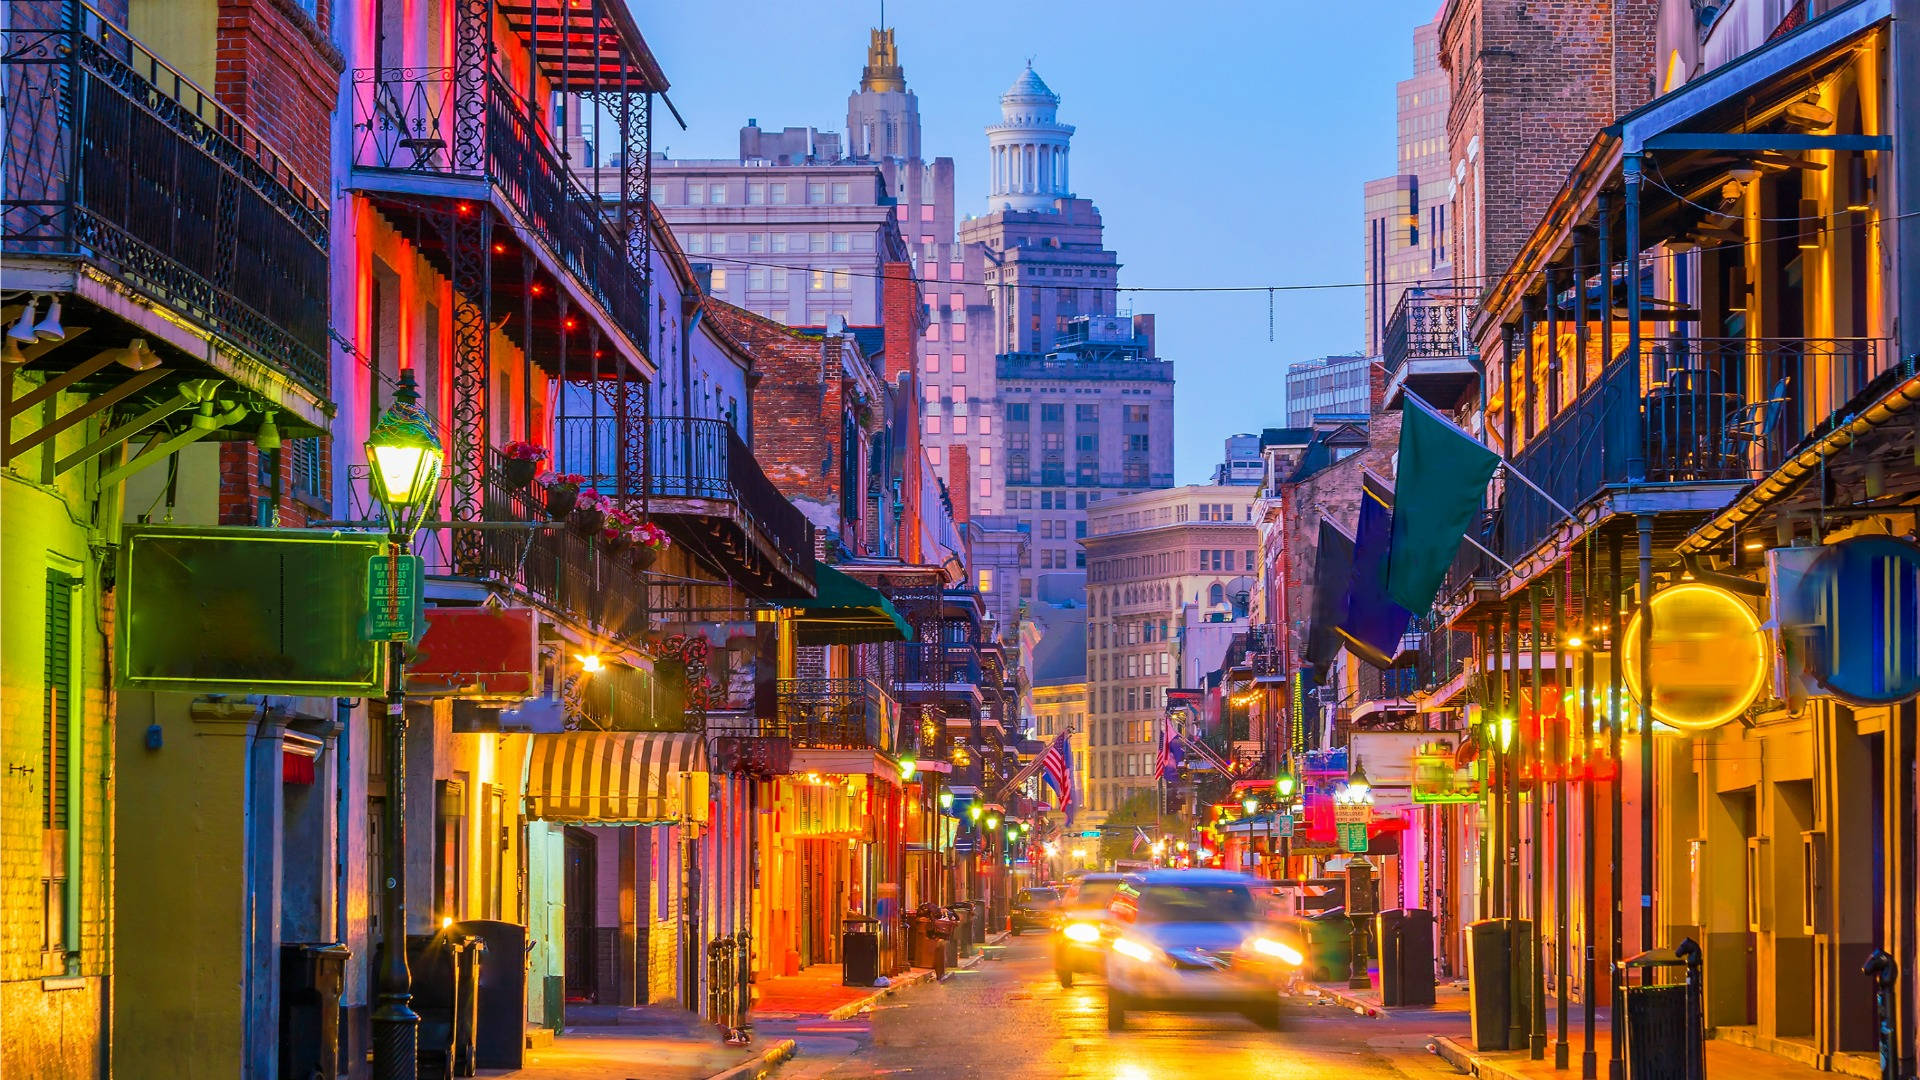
1737 290
1814 225
22 329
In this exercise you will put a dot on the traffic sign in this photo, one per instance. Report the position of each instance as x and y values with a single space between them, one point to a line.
1353 836
393 598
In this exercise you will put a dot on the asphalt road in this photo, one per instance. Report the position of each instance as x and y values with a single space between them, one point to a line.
1007 1019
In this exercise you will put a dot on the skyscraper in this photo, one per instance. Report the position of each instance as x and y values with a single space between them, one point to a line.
1405 215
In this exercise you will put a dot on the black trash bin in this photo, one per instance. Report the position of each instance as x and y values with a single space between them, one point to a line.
859 951
469 958
1405 938
311 979
430 958
1664 1023
1488 979
500 1006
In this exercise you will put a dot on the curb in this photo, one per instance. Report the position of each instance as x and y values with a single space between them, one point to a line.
1359 1006
854 1008
756 1068
1469 1061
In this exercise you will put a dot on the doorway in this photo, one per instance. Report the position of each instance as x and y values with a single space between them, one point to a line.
583 976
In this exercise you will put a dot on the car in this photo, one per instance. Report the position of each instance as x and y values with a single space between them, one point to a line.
1085 921
1034 909
1197 941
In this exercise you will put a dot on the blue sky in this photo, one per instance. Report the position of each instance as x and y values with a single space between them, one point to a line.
1225 143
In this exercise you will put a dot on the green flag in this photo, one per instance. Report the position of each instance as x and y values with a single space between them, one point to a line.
1443 477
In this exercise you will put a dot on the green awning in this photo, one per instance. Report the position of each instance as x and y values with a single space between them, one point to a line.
845 611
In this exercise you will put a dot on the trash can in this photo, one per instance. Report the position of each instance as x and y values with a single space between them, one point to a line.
500 1000
469 957
859 951
1665 1024
311 979
1489 983
1405 937
430 958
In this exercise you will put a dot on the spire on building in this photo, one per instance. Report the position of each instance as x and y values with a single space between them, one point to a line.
883 72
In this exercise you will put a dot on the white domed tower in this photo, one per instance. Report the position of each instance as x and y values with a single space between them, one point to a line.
1028 148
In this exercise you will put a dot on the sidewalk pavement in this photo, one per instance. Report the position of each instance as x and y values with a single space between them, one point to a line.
1722 1059
610 1042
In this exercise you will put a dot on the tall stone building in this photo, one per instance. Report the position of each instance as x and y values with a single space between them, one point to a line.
1156 561
1405 215
1333 385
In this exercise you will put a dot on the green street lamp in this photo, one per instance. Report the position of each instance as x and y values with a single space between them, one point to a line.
404 459
1250 804
1284 784
946 799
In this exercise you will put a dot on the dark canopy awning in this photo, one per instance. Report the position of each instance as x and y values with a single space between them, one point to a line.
844 611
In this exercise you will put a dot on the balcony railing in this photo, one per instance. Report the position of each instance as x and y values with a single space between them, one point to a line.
1427 323
1713 409
422 121
924 664
568 572
835 714
117 159
689 458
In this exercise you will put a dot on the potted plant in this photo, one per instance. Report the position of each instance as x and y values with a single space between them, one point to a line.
619 530
563 491
523 458
589 515
648 541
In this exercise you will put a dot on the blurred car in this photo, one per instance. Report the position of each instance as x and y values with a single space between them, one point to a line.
1085 922
1037 908
1197 941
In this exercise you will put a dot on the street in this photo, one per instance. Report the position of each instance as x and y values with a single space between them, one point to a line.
1007 1018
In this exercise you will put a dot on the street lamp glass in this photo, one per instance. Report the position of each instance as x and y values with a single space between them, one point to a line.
1250 804
405 460
1284 785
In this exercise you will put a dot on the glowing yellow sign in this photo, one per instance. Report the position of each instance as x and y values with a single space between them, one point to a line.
1708 657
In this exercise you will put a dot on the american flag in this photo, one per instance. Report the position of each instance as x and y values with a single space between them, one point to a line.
1166 765
1056 770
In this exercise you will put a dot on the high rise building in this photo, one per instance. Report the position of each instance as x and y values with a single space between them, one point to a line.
1156 562
1333 384
1240 463
1405 215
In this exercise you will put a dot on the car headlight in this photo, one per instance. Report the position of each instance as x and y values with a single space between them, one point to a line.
1130 948
1084 933
1280 950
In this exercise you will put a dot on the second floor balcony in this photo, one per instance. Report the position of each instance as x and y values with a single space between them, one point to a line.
836 714
700 481
1426 350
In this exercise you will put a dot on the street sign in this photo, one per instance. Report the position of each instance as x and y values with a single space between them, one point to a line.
1090 834
393 598
1283 825
1349 813
1353 836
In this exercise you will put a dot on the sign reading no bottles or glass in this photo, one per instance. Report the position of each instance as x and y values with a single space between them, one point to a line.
393 598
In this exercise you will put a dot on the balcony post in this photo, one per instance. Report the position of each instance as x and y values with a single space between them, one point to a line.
1528 308
1644 527
1537 1037
1506 390
1616 690
1629 428
1554 402
1581 272
1609 453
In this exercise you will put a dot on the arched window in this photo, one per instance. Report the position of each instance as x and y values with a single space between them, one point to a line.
1216 595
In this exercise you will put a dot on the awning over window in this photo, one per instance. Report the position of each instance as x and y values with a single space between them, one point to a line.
844 611
617 776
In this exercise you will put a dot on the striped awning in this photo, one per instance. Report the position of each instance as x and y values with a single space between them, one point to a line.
628 777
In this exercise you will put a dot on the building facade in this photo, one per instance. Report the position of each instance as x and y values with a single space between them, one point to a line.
1336 384
1153 559
1405 215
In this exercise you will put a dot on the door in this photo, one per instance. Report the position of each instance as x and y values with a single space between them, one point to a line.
691 931
582 966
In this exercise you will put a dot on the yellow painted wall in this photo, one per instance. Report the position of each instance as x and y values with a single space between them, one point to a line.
50 1009
181 32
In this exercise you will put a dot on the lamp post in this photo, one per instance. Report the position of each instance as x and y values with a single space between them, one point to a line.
1358 792
1283 785
405 462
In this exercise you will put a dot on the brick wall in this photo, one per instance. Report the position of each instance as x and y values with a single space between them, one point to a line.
1532 84
1332 492
275 68
960 482
797 415
273 496
903 317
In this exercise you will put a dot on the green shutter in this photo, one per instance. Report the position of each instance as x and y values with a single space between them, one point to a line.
57 710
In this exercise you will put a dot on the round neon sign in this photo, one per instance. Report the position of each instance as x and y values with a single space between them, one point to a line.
1708 656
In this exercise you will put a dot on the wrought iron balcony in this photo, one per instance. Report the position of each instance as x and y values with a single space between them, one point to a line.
116 160
701 482
1425 348
1722 411
575 575
454 134
921 665
835 714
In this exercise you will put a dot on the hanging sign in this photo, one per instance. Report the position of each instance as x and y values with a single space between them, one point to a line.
1708 655
1353 836
393 598
1864 598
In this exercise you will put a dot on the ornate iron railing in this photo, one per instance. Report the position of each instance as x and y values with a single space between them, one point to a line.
407 120
936 664
115 158
835 714
690 457
1710 409
1427 323
570 572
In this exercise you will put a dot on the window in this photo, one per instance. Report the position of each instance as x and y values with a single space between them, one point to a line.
1086 442
960 423
933 423
696 194
1017 412
61 838
717 194
842 241
934 454
778 243
756 193
1053 440
986 421
817 281
817 241
777 279
1086 414
958 302
842 193
1052 413
986 485
756 243
933 363
959 362
933 331
986 579
959 329
1137 444
1216 594
956 272
697 244
816 193
926 212
719 279
777 194
986 453
1136 414
1080 558
843 279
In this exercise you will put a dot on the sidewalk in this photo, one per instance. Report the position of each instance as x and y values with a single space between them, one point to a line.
816 991
649 1042
1722 1058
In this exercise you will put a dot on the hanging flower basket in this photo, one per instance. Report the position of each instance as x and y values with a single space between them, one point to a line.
644 554
519 472
562 493
649 540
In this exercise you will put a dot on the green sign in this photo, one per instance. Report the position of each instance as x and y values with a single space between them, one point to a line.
1283 824
393 598
1353 836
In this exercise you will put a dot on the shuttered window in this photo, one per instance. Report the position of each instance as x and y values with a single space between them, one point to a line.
57 710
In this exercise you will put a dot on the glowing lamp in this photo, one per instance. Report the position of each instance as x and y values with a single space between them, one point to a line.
1249 804
973 812
590 662
946 799
405 459
1708 655
906 767
993 821
1284 784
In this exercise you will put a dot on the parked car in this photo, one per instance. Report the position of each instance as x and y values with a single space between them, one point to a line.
1036 908
1081 946
1197 941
